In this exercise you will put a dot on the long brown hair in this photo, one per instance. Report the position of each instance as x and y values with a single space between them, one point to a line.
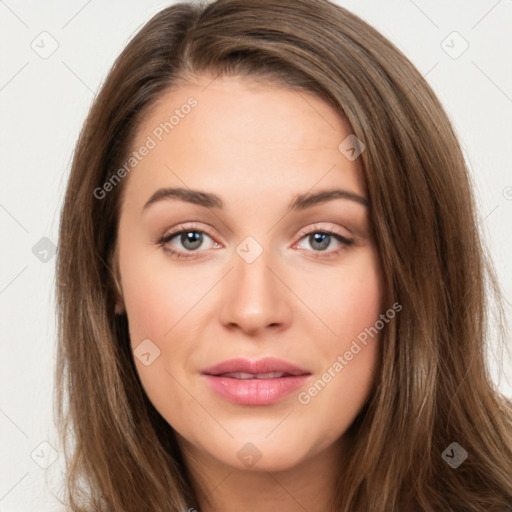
433 386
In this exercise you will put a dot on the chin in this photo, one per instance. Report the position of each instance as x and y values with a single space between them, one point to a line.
260 454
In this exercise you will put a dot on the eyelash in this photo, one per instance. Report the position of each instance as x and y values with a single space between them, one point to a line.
162 241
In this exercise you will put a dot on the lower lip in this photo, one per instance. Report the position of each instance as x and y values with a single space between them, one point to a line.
255 391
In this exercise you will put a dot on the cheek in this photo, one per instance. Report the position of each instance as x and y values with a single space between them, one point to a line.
155 298
352 307
350 300
360 304
157 301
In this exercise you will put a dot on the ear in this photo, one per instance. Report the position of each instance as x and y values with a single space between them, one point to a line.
119 307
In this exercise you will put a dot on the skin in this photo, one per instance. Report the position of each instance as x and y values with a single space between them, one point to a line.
256 146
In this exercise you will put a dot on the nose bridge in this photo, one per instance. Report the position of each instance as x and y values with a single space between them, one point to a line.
256 298
255 284
253 278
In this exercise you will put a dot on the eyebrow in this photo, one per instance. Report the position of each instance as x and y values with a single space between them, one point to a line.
209 200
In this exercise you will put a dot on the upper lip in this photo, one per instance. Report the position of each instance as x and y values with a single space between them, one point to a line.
261 366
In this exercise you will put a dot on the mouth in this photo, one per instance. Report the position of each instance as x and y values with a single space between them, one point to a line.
247 376
261 382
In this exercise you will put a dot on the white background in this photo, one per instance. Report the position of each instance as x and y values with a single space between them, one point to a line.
43 103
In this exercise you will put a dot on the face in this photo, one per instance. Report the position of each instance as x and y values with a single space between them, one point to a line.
248 268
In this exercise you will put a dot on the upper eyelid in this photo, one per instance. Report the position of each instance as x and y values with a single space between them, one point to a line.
316 227
183 228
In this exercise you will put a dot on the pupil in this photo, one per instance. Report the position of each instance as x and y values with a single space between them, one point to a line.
192 237
321 238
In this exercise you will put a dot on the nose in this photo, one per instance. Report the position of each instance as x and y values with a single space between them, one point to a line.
255 297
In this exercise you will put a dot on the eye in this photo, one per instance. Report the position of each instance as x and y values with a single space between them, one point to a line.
189 238
192 240
321 239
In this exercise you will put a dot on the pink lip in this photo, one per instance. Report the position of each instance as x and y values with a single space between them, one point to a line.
255 391
265 365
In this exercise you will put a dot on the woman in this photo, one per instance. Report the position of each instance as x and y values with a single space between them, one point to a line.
271 285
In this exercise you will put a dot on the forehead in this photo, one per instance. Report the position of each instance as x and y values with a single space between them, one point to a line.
231 103
231 129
